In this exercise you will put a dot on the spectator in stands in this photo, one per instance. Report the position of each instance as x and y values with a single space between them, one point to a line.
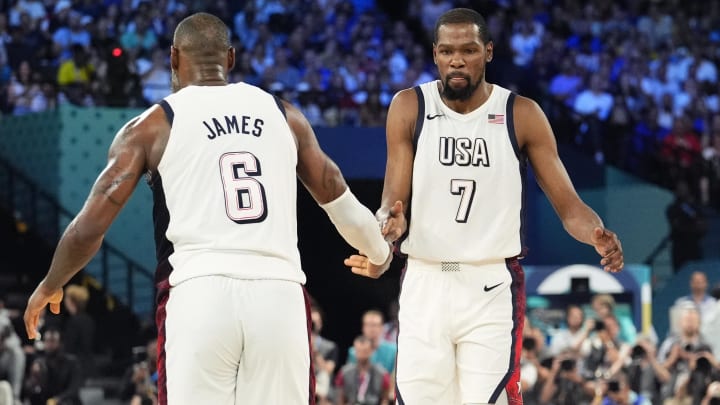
140 39
687 226
74 33
74 77
604 305
572 334
363 381
530 368
12 358
603 351
155 77
54 377
698 295
617 391
79 330
140 380
710 176
677 350
680 152
327 348
564 384
594 106
645 374
391 326
704 369
383 352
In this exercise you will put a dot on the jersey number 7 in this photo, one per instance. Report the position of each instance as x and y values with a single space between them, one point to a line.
466 190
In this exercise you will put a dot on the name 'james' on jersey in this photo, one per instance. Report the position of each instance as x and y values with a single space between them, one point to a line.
225 191
468 178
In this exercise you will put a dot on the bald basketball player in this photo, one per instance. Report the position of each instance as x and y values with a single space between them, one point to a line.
223 159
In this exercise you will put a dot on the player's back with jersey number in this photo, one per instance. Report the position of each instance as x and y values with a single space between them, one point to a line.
225 190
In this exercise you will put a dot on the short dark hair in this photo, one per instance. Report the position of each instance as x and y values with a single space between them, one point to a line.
202 34
464 16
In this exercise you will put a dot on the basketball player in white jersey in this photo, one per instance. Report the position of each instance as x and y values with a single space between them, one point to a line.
458 149
223 160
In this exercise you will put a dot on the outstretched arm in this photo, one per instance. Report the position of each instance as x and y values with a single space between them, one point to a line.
325 182
400 128
580 221
398 178
84 235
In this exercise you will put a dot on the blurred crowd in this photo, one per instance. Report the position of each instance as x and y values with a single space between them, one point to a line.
633 82
593 352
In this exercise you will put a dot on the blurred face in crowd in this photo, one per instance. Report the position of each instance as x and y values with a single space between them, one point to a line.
372 326
690 322
460 56
316 320
151 349
52 341
574 318
698 283
363 350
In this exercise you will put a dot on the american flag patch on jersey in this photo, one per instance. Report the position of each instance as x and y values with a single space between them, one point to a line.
496 119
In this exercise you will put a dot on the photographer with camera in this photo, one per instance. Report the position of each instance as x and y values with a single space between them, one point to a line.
140 380
616 391
602 351
564 385
703 371
677 352
645 374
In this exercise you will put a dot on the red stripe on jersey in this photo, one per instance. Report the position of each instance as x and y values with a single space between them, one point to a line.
160 317
511 382
309 330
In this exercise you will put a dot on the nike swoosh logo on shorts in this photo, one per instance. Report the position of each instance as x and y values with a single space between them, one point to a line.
432 117
486 288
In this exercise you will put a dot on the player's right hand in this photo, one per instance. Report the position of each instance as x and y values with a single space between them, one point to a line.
608 246
40 298
395 225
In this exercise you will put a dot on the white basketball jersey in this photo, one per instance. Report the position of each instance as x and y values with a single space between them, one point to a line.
225 193
468 176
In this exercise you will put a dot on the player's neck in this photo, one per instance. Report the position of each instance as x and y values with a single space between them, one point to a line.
208 75
478 98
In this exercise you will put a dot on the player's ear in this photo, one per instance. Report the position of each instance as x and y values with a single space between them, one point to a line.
230 58
174 58
489 51
434 53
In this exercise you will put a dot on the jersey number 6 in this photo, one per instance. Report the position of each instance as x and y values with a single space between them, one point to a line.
244 195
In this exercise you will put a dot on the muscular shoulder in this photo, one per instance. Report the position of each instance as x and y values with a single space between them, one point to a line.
402 114
148 131
405 101
530 121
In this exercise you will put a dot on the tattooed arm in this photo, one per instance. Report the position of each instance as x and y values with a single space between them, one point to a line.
127 161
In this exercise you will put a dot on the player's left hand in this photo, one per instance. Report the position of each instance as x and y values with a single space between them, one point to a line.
361 265
40 298
608 246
